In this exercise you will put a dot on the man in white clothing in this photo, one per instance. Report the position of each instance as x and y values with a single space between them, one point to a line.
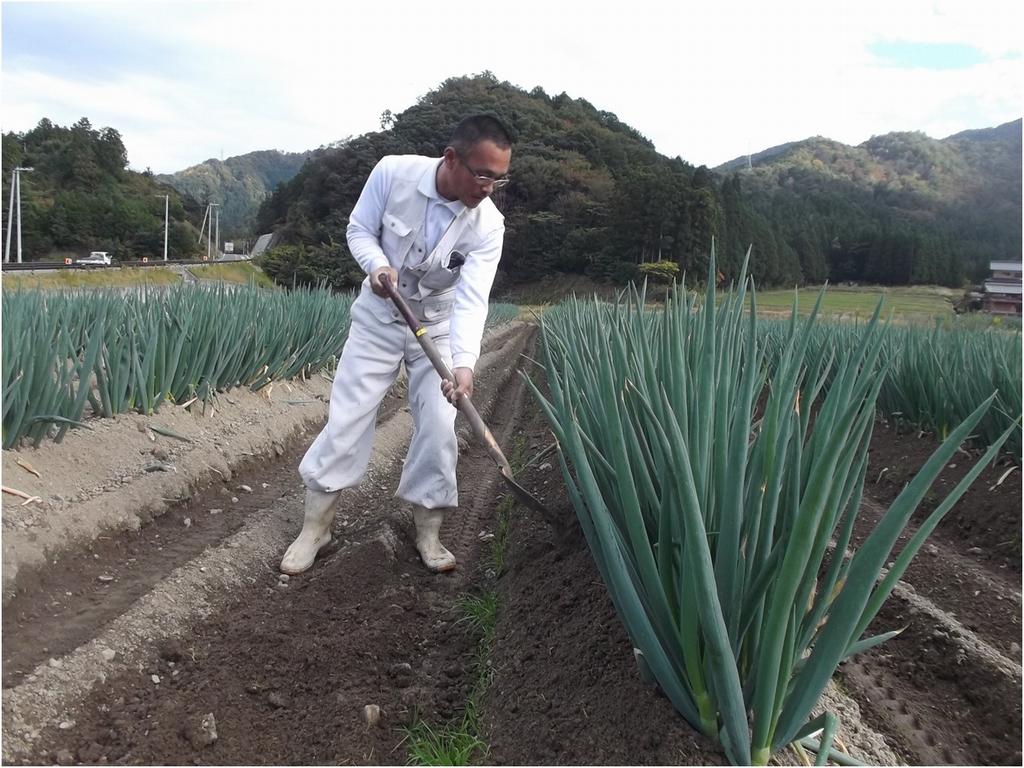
429 225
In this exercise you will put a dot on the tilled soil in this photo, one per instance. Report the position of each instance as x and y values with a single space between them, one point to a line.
949 687
984 526
564 672
946 691
282 670
318 646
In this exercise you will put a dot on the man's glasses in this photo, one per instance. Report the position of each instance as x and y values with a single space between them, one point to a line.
481 178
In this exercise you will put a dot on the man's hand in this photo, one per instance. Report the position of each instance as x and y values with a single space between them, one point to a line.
463 385
375 284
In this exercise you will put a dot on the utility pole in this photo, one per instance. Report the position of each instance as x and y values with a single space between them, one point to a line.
217 220
10 214
167 208
15 200
202 229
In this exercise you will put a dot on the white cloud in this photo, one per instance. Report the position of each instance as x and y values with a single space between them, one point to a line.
707 82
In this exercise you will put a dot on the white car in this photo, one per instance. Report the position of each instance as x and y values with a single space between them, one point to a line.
95 259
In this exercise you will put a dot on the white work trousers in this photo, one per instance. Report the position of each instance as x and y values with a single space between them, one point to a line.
368 367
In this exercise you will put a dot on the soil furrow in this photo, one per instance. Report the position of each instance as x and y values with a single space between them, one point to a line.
983 600
946 693
47 697
964 703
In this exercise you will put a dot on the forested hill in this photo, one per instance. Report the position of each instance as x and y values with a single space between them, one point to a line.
904 207
81 197
591 195
239 184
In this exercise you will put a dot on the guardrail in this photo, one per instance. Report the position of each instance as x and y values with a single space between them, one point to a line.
44 265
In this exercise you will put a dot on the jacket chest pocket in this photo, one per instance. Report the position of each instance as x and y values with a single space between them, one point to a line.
396 236
436 308
443 274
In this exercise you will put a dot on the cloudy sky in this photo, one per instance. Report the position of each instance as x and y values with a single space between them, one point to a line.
708 81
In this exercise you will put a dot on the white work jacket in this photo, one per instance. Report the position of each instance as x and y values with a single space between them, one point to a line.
446 254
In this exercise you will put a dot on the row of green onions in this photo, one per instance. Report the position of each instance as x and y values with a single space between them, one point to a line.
936 376
718 513
68 356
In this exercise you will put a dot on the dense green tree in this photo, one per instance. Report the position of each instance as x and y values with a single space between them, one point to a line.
899 208
591 195
80 197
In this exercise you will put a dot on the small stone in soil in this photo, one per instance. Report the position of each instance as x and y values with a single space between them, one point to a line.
277 700
245 488
155 679
187 522
234 499
105 577
65 757
216 511
201 731
371 714
108 654
66 725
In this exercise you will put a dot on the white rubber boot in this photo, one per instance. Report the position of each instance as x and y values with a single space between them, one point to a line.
316 532
428 542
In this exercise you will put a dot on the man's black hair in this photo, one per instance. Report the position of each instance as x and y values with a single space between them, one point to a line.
473 129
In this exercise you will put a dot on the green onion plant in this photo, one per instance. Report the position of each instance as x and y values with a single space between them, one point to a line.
71 355
716 479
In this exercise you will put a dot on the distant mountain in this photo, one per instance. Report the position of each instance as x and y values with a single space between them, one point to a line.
590 195
938 169
239 184
963 193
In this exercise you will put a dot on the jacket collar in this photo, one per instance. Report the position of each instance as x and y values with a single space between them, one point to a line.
428 187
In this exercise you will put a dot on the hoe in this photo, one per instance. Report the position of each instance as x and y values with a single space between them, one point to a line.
465 405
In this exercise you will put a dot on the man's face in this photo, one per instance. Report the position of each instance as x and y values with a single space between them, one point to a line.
475 173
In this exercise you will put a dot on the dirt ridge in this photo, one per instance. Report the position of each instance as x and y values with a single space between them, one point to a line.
50 693
136 475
